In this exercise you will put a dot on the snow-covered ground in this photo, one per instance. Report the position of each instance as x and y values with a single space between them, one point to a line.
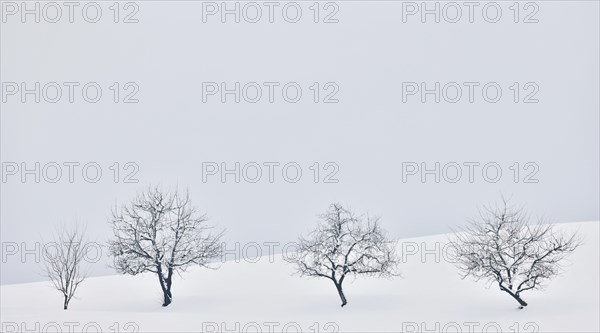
264 297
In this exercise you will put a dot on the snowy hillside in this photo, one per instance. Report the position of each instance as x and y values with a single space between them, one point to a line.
263 296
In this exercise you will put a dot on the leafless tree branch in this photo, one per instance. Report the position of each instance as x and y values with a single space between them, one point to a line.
63 261
346 245
161 232
501 246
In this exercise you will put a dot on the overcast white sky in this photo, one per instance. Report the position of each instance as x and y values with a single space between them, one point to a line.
369 134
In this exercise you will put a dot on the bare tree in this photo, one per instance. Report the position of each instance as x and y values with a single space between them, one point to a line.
501 246
345 245
160 232
63 261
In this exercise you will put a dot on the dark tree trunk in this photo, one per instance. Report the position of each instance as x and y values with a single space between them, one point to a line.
522 303
66 303
338 286
165 286
167 298
168 282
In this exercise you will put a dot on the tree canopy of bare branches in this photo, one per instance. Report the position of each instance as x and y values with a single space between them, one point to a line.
161 232
501 246
63 262
343 245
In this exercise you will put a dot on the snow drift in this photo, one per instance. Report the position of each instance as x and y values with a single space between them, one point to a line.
260 295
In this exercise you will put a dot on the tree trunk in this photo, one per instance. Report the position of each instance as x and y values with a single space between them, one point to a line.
338 286
167 297
168 282
66 303
522 303
169 279
163 285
